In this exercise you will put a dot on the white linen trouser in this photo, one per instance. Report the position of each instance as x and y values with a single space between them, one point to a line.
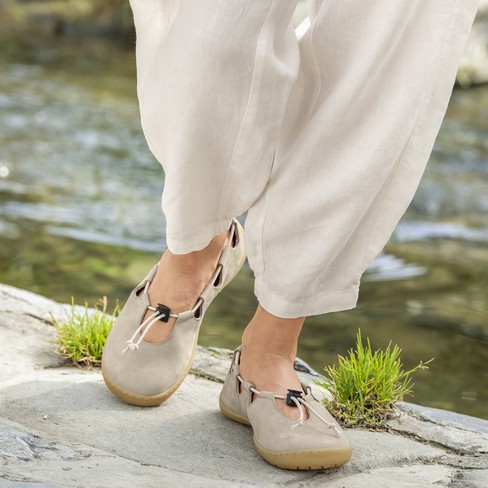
323 139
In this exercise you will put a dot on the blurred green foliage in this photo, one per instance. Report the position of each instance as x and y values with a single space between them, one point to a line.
108 18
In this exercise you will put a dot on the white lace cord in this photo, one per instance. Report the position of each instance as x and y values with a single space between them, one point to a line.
299 402
151 320
330 425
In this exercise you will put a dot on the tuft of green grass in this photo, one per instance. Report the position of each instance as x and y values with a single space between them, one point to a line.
82 334
366 385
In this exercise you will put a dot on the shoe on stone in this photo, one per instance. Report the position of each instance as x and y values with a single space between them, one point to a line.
314 443
145 373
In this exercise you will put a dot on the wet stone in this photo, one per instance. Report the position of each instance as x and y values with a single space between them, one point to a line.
16 444
20 446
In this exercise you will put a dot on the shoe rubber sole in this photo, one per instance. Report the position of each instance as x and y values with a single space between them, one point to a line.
155 400
143 400
232 415
310 459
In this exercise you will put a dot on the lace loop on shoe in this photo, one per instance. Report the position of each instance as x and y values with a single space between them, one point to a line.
150 321
299 402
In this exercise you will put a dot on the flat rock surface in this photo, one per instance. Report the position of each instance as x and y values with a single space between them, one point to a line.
61 427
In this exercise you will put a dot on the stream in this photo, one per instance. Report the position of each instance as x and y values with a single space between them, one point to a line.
80 216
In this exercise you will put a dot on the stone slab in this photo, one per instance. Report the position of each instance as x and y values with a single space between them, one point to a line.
60 427
455 438
21 484
415 476
15 300
56 464
470 479
27 345
187 431
446 418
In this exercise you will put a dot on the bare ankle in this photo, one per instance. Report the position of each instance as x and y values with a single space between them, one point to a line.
179 280
267 333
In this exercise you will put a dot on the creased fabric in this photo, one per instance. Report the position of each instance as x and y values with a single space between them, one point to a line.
323 139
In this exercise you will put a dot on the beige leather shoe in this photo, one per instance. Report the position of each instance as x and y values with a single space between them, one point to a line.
314 443
144 373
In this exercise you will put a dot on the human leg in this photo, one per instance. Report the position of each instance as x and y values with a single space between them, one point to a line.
216 151
373 86
269 349
212 101
374 82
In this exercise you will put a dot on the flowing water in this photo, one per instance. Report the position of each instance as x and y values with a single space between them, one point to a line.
80 216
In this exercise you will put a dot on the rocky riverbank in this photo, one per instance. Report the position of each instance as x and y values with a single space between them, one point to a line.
60 427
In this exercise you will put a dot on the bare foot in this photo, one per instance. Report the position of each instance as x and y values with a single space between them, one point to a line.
179 280
269 347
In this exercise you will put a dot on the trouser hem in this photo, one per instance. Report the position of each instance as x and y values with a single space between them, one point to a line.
323 302
197 239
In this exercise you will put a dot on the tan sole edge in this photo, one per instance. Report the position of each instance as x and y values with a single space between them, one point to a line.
232 415
141 400
316 459
155 400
